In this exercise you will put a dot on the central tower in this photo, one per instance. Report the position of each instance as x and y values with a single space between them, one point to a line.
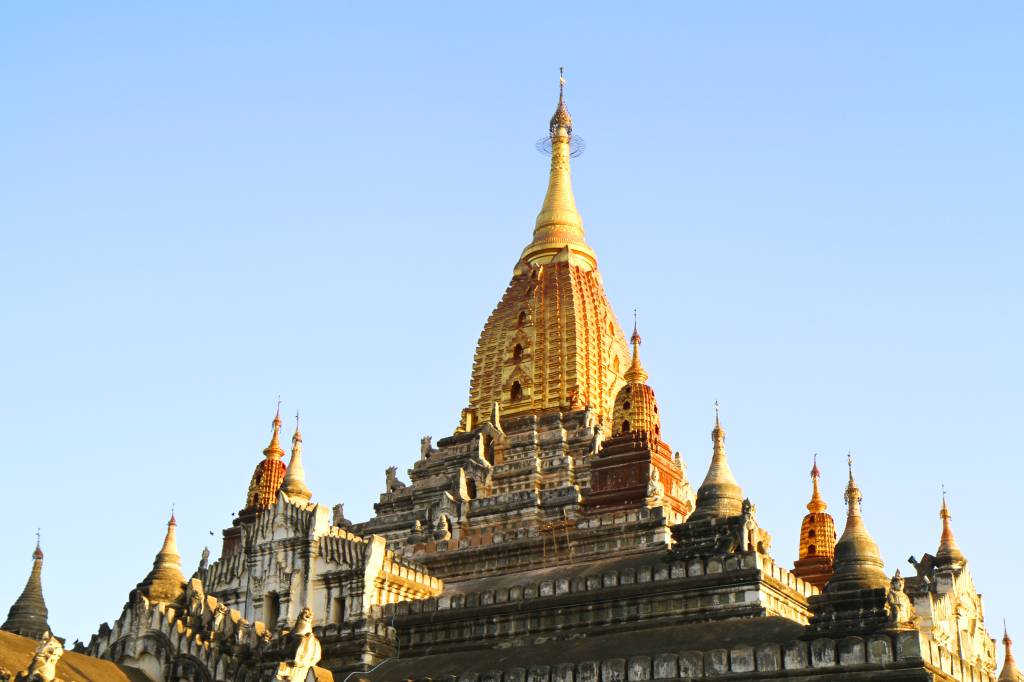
552 343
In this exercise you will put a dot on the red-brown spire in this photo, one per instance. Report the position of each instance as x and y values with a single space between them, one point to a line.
1009 673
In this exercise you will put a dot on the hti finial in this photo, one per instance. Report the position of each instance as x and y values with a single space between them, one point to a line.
561 81
716 413
278 414
172 522
815 472
849 464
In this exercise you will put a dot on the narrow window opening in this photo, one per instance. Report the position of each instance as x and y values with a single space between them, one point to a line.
271 609
811 533
626 405
517 391
625 426
522 318
811 549
517 352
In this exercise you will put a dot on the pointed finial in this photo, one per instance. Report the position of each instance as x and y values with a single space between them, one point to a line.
561 81
172 522
717 422
817 504
38 553
636 372
294 481
948 550
273 450
852 496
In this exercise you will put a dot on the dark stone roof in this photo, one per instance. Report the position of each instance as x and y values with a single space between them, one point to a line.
647 642
16 653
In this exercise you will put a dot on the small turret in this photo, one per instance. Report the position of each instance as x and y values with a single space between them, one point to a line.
28 614
1009 673
636 409
165 582
294 483
719 495
269 473
858 563
817 538
948 554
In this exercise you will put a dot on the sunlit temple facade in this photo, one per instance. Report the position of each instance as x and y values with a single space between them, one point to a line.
554 536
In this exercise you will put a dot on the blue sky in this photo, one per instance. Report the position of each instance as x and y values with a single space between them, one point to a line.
816 209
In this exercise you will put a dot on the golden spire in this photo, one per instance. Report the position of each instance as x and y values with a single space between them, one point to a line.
274 451
817 504
948 550
559 225
719 495
294 483
165 582
636 374
1009 673
858 563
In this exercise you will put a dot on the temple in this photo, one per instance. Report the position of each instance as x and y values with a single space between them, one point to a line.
553 536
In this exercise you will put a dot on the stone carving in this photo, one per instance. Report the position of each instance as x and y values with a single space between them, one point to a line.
392 483
338 516
303 649
425 447
442 529
43 667
655 488
901 610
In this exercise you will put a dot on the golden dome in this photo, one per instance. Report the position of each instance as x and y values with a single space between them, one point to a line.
949 551
165 582
858 563
294 482
552 342
635 408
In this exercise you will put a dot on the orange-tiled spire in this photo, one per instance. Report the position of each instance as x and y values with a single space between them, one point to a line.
269 474
165 582
294 483
817 538
948 551
635 407
1009 673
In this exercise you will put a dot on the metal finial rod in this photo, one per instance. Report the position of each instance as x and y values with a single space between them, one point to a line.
296 420
716 412
561 81
38 536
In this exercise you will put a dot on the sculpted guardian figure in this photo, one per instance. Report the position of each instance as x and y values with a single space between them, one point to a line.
43 667
303 649
901 610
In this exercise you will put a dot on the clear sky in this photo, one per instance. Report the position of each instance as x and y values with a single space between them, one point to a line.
815 207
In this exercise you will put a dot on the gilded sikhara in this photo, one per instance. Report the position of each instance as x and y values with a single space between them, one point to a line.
553 342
